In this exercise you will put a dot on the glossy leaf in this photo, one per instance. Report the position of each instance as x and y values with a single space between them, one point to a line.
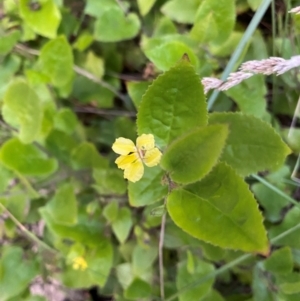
149 189
56 61
222 13
25 105
220 210
26 159
185 278
252 144
192 156
173 105
63 206
35 18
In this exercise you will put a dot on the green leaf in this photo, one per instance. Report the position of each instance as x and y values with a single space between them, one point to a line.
174 10
213 296
61 145
56 61
12 283
280 262
9 66
94 64
220 210
165 52
145 6
65 120
149 189
289 284
252 144
22 101
192 156
136 90
271 201
85 155
291 219
173 105
63 206
260 290
87 231
109 181
143 259
99 259
122 225
222 15
113 26
250 95
26 159
35 18
8 41
96 8
138 290
254 4
110 211
184 278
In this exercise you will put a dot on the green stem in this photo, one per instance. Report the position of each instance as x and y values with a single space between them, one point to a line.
27 232
32 192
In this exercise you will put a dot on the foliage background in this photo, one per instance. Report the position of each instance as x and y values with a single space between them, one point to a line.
72 77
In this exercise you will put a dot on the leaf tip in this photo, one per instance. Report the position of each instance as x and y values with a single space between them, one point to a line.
185 57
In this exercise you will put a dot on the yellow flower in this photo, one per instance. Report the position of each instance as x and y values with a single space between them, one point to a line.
132 157
79 263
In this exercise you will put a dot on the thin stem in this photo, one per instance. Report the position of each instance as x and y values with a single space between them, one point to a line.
160 256
79 71
27 232
275 189
101 112
32 192
239 49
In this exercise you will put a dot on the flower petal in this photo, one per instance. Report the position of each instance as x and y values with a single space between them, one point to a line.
134 171
123 146
124 161
152 157
145 142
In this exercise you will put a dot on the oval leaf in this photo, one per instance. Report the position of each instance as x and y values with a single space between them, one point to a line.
173 104
252 144
25 105
56 61
44 20
192 156
26 158
220 210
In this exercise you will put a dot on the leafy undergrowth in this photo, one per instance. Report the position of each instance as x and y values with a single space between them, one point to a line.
132 168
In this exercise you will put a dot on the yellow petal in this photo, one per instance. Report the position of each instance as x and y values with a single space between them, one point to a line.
145 142
152 157
134 171
124 161
123 146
